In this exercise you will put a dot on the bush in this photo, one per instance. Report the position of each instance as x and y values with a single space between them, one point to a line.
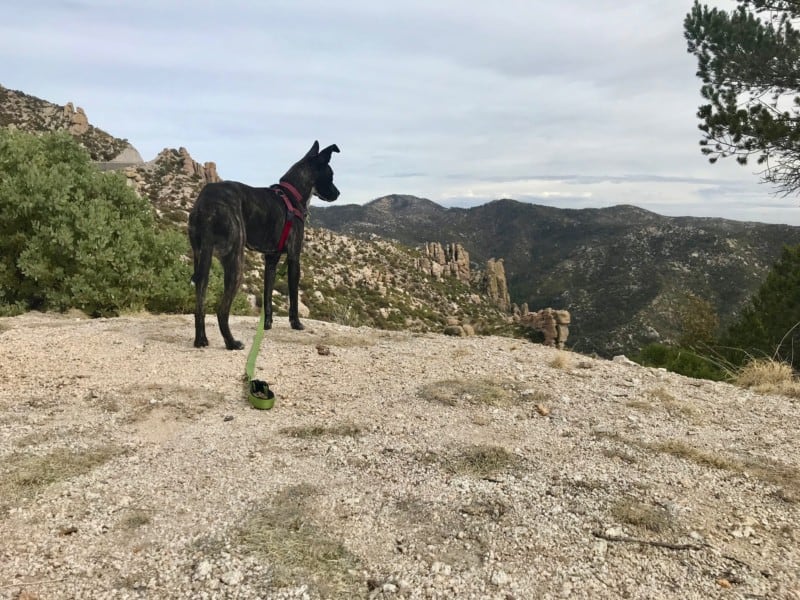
71 236
682 361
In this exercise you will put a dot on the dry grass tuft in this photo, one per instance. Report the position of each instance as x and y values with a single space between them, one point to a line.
478 460
562 360
488 391
785 477
314 431
641 405
768 376
661 397
764 372
673 406
27 475
284 533
642 515
767 471
136 518
620 454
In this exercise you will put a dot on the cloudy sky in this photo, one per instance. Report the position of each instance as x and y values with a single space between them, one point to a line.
574 103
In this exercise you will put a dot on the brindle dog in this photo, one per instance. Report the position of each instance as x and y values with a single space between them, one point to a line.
229 216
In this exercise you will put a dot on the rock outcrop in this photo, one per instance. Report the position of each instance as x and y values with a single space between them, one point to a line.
78 123
452 260
440 261
553 324
207 172
495 284
171 181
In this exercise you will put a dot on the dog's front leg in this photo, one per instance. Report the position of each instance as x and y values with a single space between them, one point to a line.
270 267
294 285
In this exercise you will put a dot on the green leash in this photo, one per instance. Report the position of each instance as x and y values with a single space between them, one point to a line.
259 394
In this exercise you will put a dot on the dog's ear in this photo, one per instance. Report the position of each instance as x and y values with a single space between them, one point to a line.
325 155
314 150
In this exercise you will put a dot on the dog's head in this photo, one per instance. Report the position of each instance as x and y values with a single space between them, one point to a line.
323 186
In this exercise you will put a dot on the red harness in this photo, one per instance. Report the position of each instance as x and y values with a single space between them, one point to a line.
292 211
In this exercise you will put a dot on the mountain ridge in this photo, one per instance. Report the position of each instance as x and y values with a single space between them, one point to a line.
623 272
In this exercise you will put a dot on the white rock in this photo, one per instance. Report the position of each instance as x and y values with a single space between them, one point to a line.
232 577
500 578
203 570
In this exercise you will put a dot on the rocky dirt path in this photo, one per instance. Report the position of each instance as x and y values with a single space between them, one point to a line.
393 466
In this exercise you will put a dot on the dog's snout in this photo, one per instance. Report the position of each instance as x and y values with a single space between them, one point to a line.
329 194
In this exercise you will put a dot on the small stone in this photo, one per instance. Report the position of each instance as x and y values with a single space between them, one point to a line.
323 350
622 359
543 410
724 583
227 418
743 532
232 578
614 532
600 548
202 570
500 578
389 588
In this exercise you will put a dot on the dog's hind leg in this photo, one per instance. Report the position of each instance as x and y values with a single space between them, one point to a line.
270 268
202 266
294 284
232 267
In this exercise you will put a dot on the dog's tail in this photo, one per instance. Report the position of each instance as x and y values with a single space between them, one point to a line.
202 264
202 251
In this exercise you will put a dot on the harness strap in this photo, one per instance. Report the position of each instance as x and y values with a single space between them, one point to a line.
292 212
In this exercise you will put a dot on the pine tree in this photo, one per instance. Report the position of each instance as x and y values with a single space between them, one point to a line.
768 325
749 62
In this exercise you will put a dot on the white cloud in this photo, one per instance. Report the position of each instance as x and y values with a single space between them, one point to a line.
576 103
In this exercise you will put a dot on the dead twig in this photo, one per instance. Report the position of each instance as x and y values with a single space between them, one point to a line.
656 543
667 545
25 584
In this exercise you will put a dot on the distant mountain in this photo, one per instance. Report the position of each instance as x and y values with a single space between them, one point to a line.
624 273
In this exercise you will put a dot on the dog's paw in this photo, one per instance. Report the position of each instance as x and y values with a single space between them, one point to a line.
268 324
236 345
200 342
296 324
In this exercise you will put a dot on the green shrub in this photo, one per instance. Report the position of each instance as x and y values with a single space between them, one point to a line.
682 361
71 236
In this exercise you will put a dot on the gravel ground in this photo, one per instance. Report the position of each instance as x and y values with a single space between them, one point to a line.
393 465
